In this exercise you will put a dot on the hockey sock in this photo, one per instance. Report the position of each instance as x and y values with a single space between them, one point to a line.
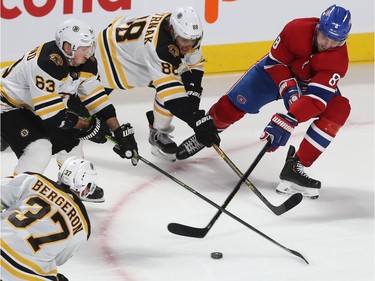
323 130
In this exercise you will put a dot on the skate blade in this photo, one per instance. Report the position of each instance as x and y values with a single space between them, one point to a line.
286 187
99 200
160 154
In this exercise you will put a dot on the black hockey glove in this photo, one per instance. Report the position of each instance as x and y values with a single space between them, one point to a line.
96 132
126 145
195 97
205 129
61 277
192 80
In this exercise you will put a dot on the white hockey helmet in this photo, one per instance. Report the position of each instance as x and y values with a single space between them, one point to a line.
77 33
186 23
78 174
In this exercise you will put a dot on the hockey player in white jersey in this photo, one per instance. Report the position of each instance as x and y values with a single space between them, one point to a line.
35 120
161 51
43 222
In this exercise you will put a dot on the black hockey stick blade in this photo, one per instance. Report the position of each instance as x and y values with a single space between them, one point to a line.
188 188
196 232
189 231
290 203
293 252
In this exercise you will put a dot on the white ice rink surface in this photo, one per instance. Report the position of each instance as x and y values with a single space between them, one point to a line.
130 240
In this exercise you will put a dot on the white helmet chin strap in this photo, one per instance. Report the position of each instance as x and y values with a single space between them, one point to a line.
68 57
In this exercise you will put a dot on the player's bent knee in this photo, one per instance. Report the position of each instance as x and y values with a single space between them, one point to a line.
334 116
224 113
337 110
35 158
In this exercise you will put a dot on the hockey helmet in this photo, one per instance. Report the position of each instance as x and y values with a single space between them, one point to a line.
77 33
335 23
186 23
78 174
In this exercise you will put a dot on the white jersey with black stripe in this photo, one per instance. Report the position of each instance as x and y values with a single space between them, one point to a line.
41 79
141 52
42 226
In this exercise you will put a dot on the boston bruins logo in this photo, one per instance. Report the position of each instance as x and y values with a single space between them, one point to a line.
57 59
75 28
173 49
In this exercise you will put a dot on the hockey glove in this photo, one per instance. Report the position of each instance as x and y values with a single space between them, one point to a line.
279 130
195 97
96 132
205 129
289 91
126 145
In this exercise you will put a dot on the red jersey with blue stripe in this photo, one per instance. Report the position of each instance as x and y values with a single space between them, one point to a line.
293 54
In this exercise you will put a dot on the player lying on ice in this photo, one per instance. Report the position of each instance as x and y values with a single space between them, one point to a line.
303 68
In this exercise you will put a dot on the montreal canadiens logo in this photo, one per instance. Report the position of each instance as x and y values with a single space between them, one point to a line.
241 99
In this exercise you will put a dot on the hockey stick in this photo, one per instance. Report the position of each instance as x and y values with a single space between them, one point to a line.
290 203
185 230
293 252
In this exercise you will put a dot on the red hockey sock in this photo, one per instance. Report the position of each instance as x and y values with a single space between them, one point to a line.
323 130
307 153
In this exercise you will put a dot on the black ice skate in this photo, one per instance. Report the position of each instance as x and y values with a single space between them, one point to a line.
96 197
162 145
188 148
295 180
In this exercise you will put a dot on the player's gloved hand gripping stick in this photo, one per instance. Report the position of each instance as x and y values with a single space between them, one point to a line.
290 203
293 252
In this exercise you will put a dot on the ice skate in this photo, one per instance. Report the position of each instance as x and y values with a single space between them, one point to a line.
188 148
295 180
162 145
96 197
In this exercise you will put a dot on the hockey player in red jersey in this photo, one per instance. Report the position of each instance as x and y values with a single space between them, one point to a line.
35 121
303 68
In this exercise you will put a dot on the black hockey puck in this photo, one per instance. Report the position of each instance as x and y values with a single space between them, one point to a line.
216 255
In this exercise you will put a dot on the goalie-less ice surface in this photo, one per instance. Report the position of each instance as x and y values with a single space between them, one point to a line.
130 240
